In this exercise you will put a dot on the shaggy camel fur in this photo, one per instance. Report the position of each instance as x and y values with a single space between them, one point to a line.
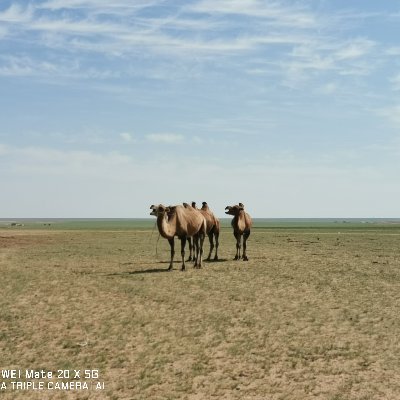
241 224
213 228
181 222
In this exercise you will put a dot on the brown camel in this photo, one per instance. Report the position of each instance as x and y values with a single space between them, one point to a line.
184 223
241 224
213 228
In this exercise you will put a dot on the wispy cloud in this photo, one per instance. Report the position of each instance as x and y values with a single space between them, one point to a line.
25 66
354 49
103 5
203 29
275 11
328 88
169 138
99 31
391 113
17 14
395 81
52 161
393 51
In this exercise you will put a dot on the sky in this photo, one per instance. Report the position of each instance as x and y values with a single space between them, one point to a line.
290 107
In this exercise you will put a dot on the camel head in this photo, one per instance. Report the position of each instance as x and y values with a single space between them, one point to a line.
162 210
158 210
153 209
234 210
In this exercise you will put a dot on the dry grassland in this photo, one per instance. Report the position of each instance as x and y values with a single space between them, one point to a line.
313 315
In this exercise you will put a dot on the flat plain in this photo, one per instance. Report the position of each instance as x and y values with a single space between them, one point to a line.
314 313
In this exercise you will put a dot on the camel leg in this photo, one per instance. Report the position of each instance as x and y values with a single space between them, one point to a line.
216 234
211 240
172 246
191 245
245 237
195 250
183 244
200 251
238 240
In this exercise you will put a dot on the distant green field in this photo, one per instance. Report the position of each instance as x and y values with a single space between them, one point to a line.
80 224
338 225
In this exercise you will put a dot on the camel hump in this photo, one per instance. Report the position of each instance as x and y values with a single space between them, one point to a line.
249 221
204 206
186 205
193 204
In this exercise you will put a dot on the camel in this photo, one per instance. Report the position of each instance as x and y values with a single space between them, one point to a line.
184 223
213 228
241 224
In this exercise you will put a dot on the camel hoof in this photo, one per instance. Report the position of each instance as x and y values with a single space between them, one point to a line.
245 258
236 258
216 258
169 268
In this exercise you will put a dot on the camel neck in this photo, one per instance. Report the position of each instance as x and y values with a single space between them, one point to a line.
164 227
241 220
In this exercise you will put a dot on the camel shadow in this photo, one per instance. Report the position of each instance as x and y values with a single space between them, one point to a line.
139 272
160 270
148 271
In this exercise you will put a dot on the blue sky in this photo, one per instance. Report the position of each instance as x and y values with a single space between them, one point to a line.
291 107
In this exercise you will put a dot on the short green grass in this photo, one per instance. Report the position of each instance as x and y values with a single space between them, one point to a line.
312 315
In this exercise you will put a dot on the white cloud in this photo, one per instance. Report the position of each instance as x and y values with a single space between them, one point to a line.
328 88
127 137
170 138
